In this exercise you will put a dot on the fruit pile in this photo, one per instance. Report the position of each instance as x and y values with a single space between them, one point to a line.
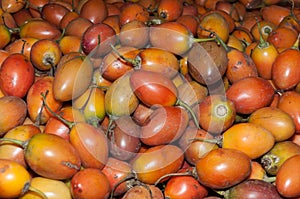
174 99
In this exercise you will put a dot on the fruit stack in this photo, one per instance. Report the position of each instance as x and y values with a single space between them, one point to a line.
126 99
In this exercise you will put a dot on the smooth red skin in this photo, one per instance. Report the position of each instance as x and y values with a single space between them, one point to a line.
16 75
94 10
90 39
115 171
90 183
250 94
184 187
286 70
194 150
288 177
218 168
165 125
58 127
290 103
125 139
170 10
40 29
54 12
91 144
153 88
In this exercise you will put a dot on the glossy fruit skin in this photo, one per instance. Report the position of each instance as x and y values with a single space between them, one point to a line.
240 65
36 110
279 153
90 144
53 189
13 152
97 39
213 21
116 170
51 156
249 138
16 75
207 62
216 113
285 70
90 183
134 33
22 46
275 120
253 188
159 60
124 138
165 125
248 99
169 10
14 179
72 78
39 29
150 86
94 10
45 54
289 102
264 55
288 179
91 103
56 126
133 11
72 27
156 162
120 93
195 149
171 36
13 111
217 169
113 67
184 187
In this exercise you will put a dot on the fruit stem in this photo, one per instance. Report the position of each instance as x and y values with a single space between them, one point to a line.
187 173
18 142
198 40
129 177
189 109
135 62
42 194
262 43
66 122
269 179
215 140
215 37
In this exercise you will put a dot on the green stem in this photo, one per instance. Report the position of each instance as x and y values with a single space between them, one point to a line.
199 40
270 179
18 142
262 43
66 122
135 62
189 109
